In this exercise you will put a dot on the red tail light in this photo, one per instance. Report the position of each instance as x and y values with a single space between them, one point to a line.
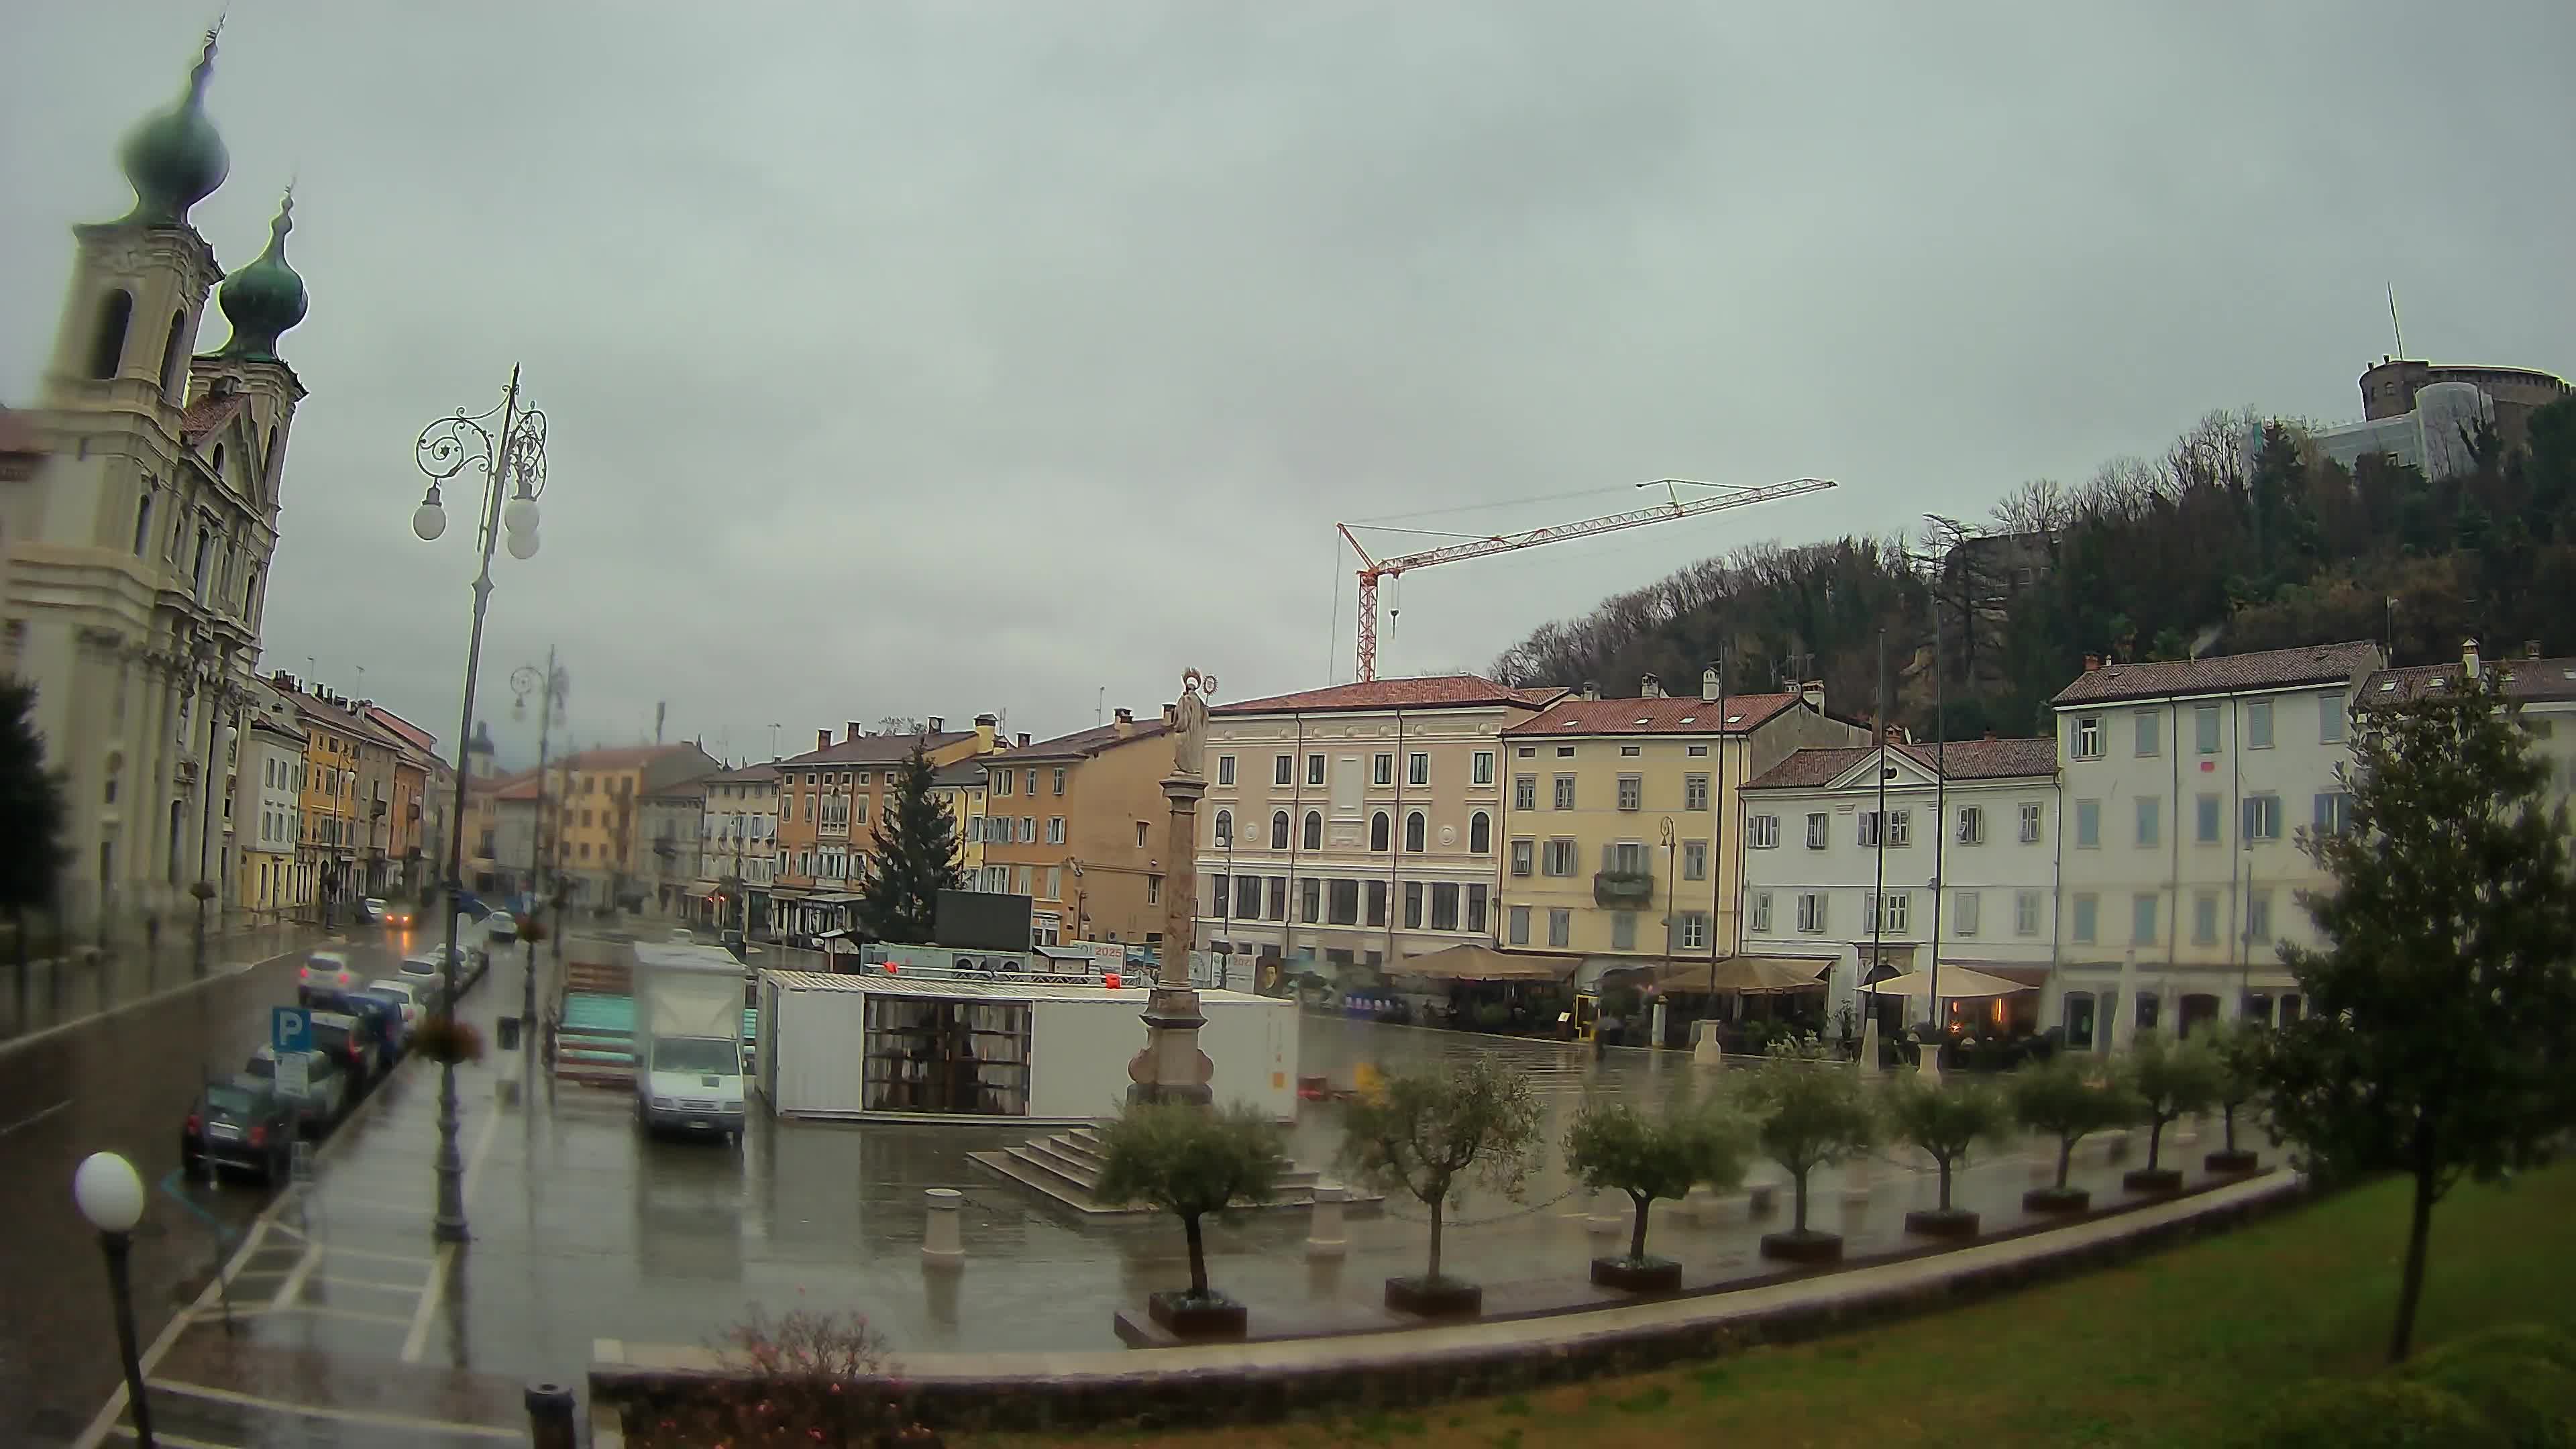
259 1135
191 1128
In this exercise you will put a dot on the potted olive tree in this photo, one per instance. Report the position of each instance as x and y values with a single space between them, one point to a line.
1945 1120
1429 1133
2069 1097
1192 1163
1814 1113
2172 1080
1613 1145
2240 1047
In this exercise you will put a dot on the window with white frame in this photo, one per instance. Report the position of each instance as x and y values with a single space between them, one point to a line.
1811 912
1889 912
1869 831
1564 792
1055 830
1283 771
2026 913
1758 910
1964 910
1694 792
1972 825
2030 822
1525 792
1632 792
1558 858
1762 832
1694 860
1417 768
1382 768
2262 818
1819 830
2333 813
1225 769
1694 934
2088 737
1524 854
1481 768
1314 769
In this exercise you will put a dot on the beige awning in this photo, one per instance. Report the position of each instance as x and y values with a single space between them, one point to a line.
1751 974
1482 963
1958 983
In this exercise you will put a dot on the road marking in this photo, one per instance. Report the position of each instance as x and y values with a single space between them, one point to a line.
351 1416
380 1287
326 1311
30 1121
418 1339
293 1288
371 1253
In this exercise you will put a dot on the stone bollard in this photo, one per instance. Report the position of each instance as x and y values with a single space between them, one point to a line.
550 1417
943 1238
1707 1052
1324 1236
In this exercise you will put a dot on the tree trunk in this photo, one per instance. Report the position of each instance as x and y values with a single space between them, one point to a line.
1198 1255
1637 1236
1432 1274
2155 1141
26 988
1798 1181
2065 1160
2227 1119
2410 1288
1945 1184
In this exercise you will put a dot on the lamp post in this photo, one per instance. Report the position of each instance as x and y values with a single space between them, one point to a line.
1672 922
550 687
513 461
110 1195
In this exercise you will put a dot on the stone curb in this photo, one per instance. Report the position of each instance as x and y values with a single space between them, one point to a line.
1269 1380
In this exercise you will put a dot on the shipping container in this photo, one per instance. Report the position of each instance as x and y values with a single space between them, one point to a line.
923 1046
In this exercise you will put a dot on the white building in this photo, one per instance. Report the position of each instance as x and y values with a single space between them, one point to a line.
1964 865
138 553
2185 785
2542 695
1357 824
268 814
739 835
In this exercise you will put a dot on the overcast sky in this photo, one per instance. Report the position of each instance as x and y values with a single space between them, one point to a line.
942 358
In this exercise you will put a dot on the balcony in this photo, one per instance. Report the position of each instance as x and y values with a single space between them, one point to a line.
1623 890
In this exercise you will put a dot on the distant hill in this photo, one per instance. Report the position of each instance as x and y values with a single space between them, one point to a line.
2240 536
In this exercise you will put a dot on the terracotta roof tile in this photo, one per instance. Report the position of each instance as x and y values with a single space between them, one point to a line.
1083 744
2225 673
1436 691
874 749
207 414
1653 716
1963 760
2531 679
760 774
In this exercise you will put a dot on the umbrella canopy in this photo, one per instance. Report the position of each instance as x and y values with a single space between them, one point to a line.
1482 963
1958 983
1760 974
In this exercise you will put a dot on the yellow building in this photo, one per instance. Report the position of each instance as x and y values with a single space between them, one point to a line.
829 801
594 814
1077 824
1620 822
963 787
329 800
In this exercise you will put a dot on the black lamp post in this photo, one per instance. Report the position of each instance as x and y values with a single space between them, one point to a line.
110 1195
516 456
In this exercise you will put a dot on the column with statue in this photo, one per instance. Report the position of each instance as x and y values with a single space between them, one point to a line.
1171 1068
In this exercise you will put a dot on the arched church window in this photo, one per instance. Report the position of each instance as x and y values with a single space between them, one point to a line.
174 376
143 524
107 345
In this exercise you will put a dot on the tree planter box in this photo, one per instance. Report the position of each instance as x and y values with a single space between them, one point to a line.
1942 1223
2056 1200
1435 1297
1810 1246
1638 1275
2237 1161
1216 1316
2153 1179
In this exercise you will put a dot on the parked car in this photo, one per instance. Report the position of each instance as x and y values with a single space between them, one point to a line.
351 1043
423 967
241 1122
418 998
326 1087
501 929
402 1014
323 971
371 911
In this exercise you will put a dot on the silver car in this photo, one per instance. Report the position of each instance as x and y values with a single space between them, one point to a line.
326 1088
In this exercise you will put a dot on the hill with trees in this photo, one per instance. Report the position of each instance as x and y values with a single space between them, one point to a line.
2240 536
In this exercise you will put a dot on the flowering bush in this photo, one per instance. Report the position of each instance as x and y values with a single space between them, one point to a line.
442 1038
810 1379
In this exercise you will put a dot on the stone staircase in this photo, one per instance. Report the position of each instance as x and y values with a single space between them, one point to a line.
1066 1169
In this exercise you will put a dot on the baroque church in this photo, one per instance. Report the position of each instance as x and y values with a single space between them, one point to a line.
137 545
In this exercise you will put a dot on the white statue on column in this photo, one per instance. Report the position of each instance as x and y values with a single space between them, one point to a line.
1189 723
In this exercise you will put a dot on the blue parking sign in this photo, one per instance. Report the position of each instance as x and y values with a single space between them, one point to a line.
290 1029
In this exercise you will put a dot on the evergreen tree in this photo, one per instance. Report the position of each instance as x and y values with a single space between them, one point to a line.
916 858
2440 1040
32 817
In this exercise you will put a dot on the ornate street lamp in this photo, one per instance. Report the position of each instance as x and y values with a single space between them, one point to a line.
512 461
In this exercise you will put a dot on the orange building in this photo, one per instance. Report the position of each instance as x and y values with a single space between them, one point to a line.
1077 825
829 802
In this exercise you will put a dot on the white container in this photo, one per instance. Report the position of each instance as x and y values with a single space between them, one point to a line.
925 1046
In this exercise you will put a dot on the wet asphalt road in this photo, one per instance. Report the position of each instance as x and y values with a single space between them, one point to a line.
120 1083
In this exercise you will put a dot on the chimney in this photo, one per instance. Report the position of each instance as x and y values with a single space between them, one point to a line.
851 731
2468 661
1812 693
1990 734
1124 721
1649 687
2092 663
2530 648
1708 685
822 739
985 726
1021 739
1591 689
1896 734
938 724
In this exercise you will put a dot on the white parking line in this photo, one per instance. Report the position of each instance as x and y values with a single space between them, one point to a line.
315 1411
337 1251
396 1319
370 1283
30 1121
419 1336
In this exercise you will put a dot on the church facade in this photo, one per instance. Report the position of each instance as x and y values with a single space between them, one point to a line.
135 560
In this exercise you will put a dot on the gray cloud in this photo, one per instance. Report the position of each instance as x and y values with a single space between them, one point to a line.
913 359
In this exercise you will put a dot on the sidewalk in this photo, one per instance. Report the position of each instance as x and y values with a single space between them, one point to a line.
86 982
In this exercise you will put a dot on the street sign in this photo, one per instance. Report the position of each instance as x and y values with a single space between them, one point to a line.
294 1079
290 1029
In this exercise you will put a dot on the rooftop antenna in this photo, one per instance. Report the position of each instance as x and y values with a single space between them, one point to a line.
2393 325
661 707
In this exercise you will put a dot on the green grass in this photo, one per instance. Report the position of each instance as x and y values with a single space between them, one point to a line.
2164 1351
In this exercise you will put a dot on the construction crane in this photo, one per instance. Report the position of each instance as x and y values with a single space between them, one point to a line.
1375 570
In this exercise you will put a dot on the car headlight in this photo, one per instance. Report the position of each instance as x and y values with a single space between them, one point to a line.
666 1103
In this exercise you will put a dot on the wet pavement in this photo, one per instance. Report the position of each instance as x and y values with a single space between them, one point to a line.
353 1326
